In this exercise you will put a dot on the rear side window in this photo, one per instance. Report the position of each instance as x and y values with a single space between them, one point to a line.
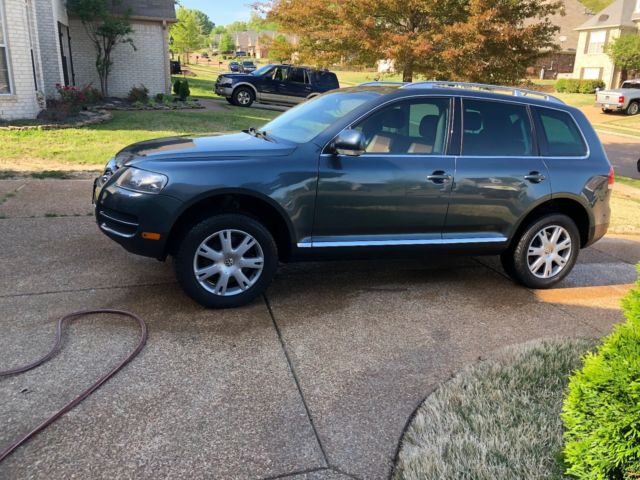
297 75
560 136
496 129
326 79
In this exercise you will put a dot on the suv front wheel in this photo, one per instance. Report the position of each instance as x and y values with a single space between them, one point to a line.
545 252
226 261
243 97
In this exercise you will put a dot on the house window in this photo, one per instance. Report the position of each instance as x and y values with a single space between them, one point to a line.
5 76
597 41
593 73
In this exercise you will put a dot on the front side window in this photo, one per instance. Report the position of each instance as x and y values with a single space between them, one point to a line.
417 126
496 129
280 74
560 134
5 84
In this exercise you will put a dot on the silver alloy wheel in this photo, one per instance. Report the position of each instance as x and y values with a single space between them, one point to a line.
243 97
228 262
549 251
634 108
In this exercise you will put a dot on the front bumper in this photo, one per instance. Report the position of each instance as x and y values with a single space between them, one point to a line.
223 91
140 222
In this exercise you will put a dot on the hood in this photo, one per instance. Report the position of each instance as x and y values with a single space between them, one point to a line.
236 75
237 145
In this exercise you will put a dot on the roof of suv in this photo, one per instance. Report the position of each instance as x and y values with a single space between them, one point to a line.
462 89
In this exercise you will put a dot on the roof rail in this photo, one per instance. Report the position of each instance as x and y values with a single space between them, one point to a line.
382 84
515 91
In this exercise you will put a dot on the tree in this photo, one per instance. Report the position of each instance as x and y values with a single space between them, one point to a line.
227 43
428 37
624 51
259 24
186 32
206 25
105 30
237 27
280 50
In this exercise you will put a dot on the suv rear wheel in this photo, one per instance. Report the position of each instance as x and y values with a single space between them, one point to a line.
545 252
243 96
226 261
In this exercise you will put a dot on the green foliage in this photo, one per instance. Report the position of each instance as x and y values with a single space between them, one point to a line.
138 94
596 5
280 50
570 85
227 44
176 86
184 91
187 33
105 30
259 23
601 411
206 25
238 27
624 51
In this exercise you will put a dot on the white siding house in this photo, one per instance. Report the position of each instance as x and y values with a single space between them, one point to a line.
41 46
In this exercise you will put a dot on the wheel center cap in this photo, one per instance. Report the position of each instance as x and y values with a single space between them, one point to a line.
228 262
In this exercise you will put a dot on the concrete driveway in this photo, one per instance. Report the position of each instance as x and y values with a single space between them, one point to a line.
623 152
315 381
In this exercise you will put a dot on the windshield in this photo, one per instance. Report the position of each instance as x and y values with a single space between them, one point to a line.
262 70
309 119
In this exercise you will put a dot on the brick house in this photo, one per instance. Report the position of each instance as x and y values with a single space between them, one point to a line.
592 62
41 46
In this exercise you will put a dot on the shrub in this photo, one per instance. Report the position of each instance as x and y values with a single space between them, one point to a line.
601 411
185 91
176 87
138 94
572 85
159 97
92 95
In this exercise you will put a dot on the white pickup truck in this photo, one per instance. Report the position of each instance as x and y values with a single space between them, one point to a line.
626 98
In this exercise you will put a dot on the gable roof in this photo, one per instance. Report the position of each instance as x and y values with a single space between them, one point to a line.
575 14
147 9
618 14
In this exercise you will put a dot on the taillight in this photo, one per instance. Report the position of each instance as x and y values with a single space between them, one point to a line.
621 99
612 177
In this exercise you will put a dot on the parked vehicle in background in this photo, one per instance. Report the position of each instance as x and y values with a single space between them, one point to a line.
372 170
205 55
278 84
241 53
176 68
247 66
624 99
234 67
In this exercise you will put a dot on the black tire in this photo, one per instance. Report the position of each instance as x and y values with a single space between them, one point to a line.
606 110
633 108
515 260
229 100
186 261
243 97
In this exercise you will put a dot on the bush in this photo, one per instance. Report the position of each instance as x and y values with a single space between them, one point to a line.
176 86
571 85
185 91
159 97
601 411
138 94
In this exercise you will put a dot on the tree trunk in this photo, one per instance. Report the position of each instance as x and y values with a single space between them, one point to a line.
407 74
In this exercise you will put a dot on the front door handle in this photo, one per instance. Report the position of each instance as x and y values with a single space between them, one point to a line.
439 177
535 177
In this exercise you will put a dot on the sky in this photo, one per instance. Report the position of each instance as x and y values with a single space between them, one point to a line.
222 12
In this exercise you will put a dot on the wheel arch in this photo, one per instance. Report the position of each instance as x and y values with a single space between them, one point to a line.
245 84
260 207
573 207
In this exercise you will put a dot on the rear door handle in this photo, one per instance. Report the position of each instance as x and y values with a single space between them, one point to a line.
439 177
535 177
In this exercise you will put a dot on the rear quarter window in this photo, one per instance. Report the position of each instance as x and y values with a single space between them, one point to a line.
559 134
327 79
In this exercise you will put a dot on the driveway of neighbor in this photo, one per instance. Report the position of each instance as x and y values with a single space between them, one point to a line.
314 381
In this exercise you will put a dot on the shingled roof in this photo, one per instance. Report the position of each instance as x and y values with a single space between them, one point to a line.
618 14
147 9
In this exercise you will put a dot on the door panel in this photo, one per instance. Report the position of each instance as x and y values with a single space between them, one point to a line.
499 174
295 88
399 188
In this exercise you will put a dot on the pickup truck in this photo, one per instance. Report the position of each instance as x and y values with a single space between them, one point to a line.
626 98
275 84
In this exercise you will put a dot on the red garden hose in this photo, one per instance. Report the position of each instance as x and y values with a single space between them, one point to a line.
69 406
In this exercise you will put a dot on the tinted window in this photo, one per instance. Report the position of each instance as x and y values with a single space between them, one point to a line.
326 79
560 135
416 126
496 129
280 73
297 75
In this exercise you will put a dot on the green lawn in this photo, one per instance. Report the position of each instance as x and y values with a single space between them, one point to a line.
92 146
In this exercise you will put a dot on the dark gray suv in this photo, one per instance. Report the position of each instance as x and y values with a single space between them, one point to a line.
410 169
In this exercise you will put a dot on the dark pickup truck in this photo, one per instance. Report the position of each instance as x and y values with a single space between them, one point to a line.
277 84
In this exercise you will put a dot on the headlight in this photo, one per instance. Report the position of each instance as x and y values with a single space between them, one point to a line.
142 181
224 81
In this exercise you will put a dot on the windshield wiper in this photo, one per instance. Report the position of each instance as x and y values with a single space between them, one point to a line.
259 133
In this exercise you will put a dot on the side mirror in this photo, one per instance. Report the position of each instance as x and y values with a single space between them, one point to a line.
349 142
